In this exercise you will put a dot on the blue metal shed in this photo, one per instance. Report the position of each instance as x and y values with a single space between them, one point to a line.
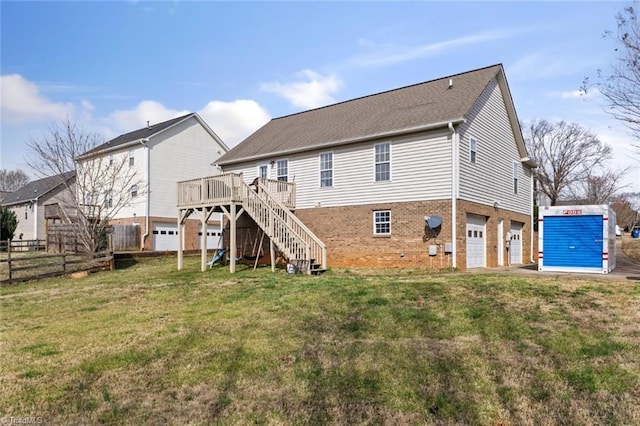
577 239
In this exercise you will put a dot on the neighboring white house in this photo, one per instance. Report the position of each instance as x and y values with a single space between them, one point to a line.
370 172
28 203
161 155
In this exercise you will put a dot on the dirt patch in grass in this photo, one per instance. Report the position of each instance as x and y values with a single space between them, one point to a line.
150 345
631 247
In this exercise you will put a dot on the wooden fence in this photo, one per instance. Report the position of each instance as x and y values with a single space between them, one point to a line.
63 238
23 245
24 266
125 237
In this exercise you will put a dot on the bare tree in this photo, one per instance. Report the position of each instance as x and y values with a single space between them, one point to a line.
12 180
103 184
598 188
566 154
627 208
620 85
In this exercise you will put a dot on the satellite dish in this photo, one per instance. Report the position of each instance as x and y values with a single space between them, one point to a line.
432 225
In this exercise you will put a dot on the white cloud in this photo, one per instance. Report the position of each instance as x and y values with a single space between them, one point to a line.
136 118
312 89
389 54
234 121
22 102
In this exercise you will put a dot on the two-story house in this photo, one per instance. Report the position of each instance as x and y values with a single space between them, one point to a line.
430 175
159 155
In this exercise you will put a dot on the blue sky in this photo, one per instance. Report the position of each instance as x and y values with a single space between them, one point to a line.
112 66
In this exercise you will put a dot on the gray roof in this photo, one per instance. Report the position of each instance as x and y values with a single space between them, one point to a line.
36 189
410 108
136 135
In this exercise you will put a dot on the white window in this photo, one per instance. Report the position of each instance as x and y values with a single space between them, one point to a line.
131 158
263 171
326 169
134 191
382 161
473 150
382 222
515 177
108 199
282 170
111 160
26 212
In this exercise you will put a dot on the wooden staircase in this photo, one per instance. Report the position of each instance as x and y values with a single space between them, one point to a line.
295 241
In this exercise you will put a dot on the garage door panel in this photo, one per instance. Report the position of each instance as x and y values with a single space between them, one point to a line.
165 237
569 241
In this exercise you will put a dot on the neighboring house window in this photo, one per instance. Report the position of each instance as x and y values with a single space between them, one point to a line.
134 191
382 161
111 160
131 158
515 177
263 171
473 149
108 200
382 222
26 212
282 170
326 169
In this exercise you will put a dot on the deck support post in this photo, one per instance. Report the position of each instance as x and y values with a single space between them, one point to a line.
204 218
232 238
272 253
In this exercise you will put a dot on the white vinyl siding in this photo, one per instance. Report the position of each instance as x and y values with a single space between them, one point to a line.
382 222
326 169
421 172
382 159
282 170
490 179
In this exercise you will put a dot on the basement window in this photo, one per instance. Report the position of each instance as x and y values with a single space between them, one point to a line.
382 222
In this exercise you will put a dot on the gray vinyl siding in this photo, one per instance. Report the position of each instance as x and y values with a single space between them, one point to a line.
490 179
420 170
183 152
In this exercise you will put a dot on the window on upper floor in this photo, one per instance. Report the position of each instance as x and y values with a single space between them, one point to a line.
111 160
382 222
26 212
326 169
131 158
108 200
382 153
516 170
134 191
473 150
282 170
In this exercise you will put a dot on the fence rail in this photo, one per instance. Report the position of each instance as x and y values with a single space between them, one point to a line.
23 245
25 267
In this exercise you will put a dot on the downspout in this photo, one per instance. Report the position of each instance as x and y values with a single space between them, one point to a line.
454 195
531 260
145 143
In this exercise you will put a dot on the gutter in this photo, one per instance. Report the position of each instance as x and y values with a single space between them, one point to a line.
409 130
454 193
145 143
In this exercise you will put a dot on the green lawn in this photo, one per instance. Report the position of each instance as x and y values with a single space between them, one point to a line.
147 344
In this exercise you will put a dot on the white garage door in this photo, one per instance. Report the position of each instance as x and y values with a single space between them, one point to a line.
515 251
476 241
165 236
214 237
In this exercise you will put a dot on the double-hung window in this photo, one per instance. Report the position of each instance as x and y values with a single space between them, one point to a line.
382 222
131 158
326 169
134 191
263 171
282 170
382 162
473 150
516 169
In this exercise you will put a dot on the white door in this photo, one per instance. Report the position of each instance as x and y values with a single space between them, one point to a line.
500 242
214 237
476 241
165 236
515 251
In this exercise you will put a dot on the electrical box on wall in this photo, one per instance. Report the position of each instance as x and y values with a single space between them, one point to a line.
448 248
433 250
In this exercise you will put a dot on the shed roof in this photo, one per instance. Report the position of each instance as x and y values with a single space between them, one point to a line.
407 109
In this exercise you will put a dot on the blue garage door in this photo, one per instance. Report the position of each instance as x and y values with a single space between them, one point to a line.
573 241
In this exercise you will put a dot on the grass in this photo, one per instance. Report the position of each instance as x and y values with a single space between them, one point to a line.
147 344
631 247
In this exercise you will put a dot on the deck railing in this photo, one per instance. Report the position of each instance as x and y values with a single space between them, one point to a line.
227 188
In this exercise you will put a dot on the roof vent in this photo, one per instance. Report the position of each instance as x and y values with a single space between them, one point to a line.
450 83
148 126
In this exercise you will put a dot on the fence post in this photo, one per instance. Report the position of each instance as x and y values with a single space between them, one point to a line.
9 258
64 262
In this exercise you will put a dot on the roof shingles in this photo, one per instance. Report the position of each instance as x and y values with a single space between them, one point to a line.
36 189
409 107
